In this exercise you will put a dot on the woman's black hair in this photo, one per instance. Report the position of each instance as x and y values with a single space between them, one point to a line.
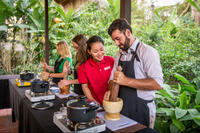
90 41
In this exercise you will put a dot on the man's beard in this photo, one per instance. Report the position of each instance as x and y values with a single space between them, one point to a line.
126 44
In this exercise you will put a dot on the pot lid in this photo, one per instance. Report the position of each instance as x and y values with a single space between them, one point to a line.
42 105
81 104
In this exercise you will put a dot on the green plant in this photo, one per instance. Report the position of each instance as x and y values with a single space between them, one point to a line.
178 107
194 3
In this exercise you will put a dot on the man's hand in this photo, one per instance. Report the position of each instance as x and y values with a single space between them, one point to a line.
120 78
107 96
63 83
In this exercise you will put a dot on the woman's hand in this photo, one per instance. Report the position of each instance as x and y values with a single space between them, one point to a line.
45 74
44 65
63 83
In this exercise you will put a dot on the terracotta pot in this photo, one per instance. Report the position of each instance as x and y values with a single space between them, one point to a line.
65 90
113 109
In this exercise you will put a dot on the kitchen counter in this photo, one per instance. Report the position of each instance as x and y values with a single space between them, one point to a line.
31 120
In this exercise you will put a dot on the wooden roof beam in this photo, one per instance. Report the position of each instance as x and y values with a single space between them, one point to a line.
125 10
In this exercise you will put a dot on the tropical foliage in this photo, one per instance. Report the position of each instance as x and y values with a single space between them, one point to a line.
175 37
178 107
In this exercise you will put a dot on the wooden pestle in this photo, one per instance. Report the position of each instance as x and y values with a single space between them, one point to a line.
114 88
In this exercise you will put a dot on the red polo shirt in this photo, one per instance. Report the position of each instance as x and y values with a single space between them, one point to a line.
96 75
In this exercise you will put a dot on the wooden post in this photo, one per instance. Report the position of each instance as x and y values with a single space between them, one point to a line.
125 10
46 32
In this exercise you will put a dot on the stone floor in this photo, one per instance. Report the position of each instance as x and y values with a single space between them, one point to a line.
6 125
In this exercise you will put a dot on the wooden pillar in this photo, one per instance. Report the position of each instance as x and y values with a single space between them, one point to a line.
125 10
46 32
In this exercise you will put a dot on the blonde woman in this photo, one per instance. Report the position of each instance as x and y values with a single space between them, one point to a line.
79 45
64 60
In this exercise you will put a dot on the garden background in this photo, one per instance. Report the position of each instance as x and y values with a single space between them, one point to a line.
169 29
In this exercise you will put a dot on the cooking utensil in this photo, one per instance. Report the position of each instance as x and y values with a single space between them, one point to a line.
39 86
26 75
80 110
114 88
42 105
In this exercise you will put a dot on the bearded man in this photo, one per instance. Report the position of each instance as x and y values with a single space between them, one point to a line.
141 73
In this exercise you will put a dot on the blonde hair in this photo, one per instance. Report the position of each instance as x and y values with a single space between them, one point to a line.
63 49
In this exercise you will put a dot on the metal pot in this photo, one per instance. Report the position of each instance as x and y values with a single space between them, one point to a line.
80 110
39 86
26 75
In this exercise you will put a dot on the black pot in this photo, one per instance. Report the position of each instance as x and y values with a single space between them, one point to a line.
39 86
26 76
79 110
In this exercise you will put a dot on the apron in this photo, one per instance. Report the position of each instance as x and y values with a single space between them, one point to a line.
56 70
133 106
77 87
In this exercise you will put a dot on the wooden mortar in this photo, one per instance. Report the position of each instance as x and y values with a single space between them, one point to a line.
113 109
115 104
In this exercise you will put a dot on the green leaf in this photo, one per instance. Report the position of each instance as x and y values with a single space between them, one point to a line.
189 88
195 115
21 26
164 93
197 106
9 3
168 111
197 121
178 124
167 88
158 18
180 112
197 99
179 88
181 78
173 128
186 118
3 28
194 4
183 100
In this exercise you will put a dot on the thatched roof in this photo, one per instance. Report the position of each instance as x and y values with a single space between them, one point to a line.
66 4
70 3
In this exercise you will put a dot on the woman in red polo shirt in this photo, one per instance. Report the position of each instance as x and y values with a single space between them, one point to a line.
95 72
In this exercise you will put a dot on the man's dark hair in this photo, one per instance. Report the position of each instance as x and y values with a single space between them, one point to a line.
90 41
120 24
